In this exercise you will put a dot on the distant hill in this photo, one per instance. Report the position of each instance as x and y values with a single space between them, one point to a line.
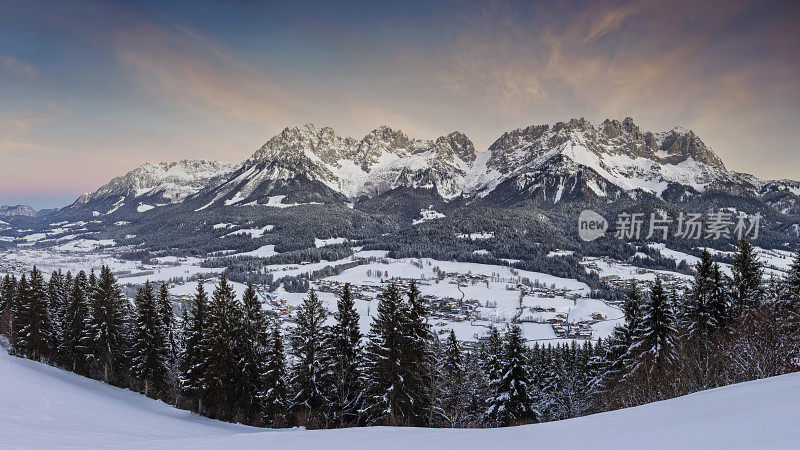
17 210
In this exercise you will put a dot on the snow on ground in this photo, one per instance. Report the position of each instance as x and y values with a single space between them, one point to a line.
475 236
428 214
84 245
332 241
555 253
676 255
44 407
606 267
253 232
144 207
277 202
262 252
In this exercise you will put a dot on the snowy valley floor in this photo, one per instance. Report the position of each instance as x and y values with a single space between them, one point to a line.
43 407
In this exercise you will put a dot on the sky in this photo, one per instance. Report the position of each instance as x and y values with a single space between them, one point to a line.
90 89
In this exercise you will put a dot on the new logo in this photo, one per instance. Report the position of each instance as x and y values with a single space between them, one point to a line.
591 225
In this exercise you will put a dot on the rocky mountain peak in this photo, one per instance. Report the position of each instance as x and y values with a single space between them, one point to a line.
456 144
685 144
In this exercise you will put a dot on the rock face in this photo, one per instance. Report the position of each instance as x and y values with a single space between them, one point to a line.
17 210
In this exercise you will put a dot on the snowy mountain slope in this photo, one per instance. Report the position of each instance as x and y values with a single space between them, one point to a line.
155 184
43 407
317 158
604 161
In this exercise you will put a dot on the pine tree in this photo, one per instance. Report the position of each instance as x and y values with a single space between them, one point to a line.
33 333
275 398
418 358
252 351
167 317
388 401
787 307
453 398
346 351
149 352
57 292
653 350
698 316
615 358
493 364
476 388
720 297
553 385
107 323
747 279
18 307
514 402
196 355
8 293
223 369
311 378
75 345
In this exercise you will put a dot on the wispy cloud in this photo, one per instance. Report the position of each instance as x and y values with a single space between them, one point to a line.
19 67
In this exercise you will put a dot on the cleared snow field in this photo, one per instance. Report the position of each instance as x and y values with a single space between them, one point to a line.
44 407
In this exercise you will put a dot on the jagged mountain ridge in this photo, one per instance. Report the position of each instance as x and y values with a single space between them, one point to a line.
383 160
155 184
546 164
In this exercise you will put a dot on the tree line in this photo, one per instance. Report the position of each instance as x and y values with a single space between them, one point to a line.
226 358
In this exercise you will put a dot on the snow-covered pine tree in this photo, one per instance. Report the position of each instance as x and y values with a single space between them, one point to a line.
311 377
787 307
553 386
149 350
346 358
747 279
493 362
276 395
167 318
223 368
653 351
17 307
56 300
8 292
615 358
720 297
75 345
476 388
33 333
514 402
418 358
195 357
107 324
388 401
452 399
253 356
595 368
702 315
697 316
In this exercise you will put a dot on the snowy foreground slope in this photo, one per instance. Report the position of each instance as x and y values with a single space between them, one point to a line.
41 406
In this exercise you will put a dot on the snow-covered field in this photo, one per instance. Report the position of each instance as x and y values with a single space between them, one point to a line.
44 407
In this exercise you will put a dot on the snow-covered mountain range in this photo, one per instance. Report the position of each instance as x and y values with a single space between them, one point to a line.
544 163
